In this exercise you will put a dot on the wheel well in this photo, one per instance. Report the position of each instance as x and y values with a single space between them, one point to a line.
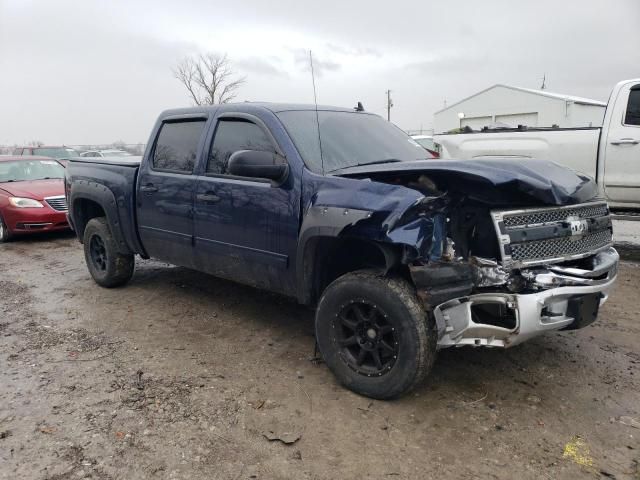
85 210
328 258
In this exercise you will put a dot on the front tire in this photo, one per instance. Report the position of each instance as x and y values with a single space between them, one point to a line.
108 267
5 234
374 334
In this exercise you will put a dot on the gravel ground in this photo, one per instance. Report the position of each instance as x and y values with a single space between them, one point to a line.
181 375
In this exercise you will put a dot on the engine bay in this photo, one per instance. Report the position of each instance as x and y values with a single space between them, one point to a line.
478 232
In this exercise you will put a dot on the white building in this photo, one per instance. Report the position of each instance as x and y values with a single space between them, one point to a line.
512 106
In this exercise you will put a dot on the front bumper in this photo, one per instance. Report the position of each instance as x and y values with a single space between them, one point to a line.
505 319
27 220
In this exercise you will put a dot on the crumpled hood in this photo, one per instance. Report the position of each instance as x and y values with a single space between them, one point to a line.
36 189
510 179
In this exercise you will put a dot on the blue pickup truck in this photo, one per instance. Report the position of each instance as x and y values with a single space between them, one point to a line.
400 255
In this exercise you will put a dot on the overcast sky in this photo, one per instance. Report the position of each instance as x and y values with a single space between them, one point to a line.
88 71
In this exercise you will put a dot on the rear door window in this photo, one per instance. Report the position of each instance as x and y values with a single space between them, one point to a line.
177 146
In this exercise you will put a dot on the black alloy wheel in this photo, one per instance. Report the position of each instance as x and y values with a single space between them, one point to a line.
374 334
368 341
108 266
98 253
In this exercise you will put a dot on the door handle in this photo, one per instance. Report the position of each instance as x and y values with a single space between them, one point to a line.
149 188
208 197
625 141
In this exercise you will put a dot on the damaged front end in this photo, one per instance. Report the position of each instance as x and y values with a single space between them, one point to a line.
521 304
554 268
493 275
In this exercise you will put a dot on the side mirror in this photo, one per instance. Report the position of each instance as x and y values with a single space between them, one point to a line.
258 164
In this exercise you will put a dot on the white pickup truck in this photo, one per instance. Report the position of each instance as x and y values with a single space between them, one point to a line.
610 154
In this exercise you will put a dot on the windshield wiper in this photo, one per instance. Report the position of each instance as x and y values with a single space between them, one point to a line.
375 162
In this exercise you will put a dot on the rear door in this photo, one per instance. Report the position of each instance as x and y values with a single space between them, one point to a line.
166 186
622 149
245 228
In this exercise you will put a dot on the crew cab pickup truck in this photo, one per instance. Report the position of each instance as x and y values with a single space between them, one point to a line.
399 255
610 154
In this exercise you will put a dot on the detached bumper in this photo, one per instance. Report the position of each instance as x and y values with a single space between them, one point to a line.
504 320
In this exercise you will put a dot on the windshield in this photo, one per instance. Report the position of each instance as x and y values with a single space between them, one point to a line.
427 143
25 170
348 139
56 152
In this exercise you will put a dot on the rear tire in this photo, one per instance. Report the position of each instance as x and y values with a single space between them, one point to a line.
5 234
108 267
374 334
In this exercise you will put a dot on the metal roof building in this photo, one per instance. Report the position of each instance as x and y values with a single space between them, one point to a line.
505 105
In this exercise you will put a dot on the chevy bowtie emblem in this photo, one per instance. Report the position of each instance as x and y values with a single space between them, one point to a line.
578 227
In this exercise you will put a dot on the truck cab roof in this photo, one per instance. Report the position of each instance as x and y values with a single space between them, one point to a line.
249 107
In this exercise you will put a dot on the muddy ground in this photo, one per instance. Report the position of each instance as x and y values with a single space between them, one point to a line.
181 375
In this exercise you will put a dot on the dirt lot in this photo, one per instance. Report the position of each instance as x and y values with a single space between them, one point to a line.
180 375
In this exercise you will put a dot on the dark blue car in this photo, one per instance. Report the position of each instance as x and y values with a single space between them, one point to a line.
401 255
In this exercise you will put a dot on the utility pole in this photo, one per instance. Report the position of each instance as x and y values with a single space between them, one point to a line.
544 82
389 105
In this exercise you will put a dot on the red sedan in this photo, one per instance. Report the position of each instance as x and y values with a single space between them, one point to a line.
31 196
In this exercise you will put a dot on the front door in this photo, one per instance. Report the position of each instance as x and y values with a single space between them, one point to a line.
245 228
622 150
165 193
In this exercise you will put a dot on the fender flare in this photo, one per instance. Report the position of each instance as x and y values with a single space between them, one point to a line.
87 190
329 222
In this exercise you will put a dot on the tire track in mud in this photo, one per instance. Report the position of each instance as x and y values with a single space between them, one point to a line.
90 407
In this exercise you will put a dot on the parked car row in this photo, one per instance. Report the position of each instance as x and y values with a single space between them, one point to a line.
47 151
105 153
63 153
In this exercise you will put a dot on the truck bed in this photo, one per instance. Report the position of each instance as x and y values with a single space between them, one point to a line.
110 183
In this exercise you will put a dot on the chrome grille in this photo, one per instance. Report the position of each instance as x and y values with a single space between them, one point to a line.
555 237
560 247
57 203
556 215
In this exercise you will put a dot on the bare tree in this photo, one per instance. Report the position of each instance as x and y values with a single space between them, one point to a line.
208 78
